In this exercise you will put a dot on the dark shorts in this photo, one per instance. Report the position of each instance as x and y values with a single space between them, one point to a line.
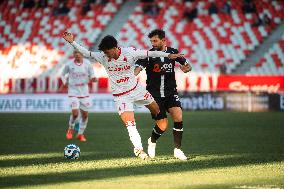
165 103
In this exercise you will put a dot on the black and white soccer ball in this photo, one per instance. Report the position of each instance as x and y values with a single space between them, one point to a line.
72 151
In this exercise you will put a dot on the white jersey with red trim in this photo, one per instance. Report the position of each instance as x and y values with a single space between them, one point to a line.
120 70
77 76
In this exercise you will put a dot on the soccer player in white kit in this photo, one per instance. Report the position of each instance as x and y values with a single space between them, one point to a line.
77 75
119 64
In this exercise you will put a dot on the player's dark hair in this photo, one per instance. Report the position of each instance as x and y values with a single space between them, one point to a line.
160 33
108 42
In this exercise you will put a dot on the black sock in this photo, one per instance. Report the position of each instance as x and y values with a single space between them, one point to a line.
156 133
177 132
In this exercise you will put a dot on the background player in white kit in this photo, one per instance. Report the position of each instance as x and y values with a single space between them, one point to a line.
77 75
119 64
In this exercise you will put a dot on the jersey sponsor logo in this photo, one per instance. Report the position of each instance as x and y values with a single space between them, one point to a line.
122 80
164 68
118 69
78 75
79 84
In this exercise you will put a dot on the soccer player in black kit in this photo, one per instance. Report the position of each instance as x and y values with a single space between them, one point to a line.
161 84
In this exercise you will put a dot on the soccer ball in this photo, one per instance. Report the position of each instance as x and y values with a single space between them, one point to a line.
72 151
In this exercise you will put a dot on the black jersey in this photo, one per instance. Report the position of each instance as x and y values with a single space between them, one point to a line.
161 74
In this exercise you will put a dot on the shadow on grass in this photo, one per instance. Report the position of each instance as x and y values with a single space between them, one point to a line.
150 167
58 159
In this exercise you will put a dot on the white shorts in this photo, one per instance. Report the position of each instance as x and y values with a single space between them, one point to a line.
80 103
139 97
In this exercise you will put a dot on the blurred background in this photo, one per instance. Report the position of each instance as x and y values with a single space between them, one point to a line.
236 49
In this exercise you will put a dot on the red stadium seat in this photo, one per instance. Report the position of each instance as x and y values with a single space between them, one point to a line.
229 36
24 29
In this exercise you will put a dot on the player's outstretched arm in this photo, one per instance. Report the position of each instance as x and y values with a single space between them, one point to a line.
163 54
141 54
186 67
85 52
64 84
68 37
175 56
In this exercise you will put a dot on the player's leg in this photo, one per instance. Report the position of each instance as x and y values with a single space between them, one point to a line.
159 115
160 120
176 114
159 128
146 99
77 123
82 125
161 124
143 97
126 112
129 121
156 134
153 107
74 102
85 105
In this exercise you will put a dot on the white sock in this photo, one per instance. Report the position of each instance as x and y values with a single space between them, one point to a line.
71 122
134 135
83 126
77 121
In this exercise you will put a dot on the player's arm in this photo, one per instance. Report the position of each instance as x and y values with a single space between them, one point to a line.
64 78
141 54
184 65
62 87
85 52
92 74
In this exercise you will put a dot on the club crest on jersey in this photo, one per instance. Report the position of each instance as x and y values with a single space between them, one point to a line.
125 59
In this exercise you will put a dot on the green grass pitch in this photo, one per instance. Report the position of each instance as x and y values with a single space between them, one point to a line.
225 150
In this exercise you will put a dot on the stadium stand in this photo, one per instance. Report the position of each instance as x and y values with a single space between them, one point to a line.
273 61
209 40
31 46
30 41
